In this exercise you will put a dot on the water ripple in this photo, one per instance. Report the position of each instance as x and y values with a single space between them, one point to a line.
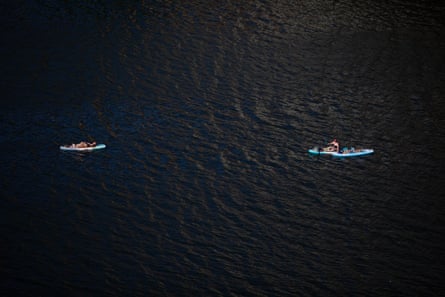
206 187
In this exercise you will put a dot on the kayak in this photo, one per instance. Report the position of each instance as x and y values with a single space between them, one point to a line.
83 149
348 153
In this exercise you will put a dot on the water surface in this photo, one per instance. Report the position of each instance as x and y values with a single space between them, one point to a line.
207 110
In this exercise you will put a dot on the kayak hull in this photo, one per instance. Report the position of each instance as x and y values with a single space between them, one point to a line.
83 149
357 153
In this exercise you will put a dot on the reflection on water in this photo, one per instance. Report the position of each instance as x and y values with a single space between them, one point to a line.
207 110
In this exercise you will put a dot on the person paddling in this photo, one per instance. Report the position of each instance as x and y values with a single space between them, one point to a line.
334 144
83 144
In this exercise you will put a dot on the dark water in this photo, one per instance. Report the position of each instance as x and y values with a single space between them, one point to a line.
207 110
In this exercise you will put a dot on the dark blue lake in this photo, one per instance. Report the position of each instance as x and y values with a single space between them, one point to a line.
208 109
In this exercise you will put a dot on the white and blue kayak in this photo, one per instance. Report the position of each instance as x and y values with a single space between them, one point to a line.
342 154
82 149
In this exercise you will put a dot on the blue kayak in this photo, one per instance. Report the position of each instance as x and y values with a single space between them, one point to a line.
348 153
